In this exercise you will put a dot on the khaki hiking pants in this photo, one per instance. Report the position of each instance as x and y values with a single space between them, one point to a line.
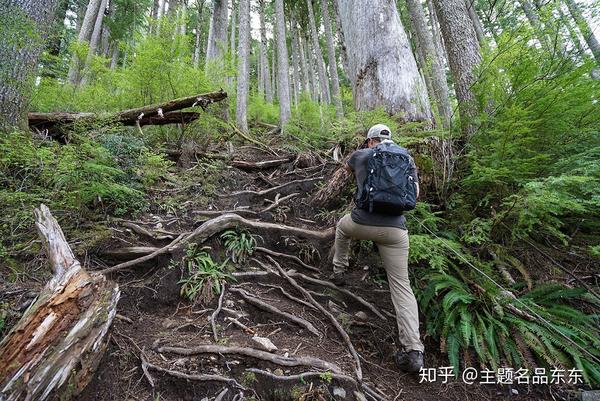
392 243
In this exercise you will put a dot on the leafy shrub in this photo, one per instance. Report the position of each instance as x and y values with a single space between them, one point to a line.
205 276
239 243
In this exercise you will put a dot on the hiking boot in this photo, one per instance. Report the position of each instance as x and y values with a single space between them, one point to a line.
411 362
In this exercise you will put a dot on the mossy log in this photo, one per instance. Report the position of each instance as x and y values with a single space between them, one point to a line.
57 345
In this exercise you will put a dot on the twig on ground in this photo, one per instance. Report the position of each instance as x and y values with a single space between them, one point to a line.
253 353
331 318
145 366
284 255
270 308
124 318
221 395
214 315
278 201
274 189
144 231
329 284
241 325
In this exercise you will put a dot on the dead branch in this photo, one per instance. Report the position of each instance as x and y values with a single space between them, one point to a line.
222 394
144 231
275 189
253 353
249 139
202 378
216 313
288 295
278 201
331 318
53 351
284 255
241 325
222 212
160 251
270 308
244 165
129 252
344 291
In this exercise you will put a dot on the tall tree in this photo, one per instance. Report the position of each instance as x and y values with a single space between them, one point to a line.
266 74
333 72
475 20
304 66
283 85
94 40
198 32
295 61
463 53
381 65
435 33
85 34
432 66
314 84
217 37
340 33
232 30
584 28
314 34
25 26
243 64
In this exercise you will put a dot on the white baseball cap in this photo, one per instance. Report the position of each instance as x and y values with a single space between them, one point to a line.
379 131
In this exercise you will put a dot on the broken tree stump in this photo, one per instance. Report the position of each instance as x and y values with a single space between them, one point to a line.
57 345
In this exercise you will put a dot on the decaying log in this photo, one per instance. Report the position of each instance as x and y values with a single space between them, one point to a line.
156 114
253 353
55 348
331 194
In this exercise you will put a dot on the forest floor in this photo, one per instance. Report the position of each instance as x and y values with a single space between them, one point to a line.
145 359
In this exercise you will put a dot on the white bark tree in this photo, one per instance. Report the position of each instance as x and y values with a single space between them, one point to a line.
217 37
283 85
85 34
584 28
314 34
243 64
266 74
18 58
381 64
333 73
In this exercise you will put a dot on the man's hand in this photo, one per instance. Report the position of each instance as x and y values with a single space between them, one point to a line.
348 168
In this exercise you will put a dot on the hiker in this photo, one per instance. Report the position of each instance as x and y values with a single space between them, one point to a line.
378 217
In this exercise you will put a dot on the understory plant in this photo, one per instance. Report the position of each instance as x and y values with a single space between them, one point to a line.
239 244
204 277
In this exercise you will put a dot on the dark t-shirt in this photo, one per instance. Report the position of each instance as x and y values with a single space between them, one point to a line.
359 161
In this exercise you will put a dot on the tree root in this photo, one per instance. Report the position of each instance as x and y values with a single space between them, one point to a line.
216 313
270 308
144 231
284 255
253 353
241 325
274 189
222 212
186 376
278 201
332 318
329 284
288 295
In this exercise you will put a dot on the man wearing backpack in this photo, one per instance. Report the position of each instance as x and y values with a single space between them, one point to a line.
387 185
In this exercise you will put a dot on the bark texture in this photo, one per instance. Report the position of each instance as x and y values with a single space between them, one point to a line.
54 349
333 73
18 58
463 53
283 85
243 64
381 64
584 28
318 53
217 37
432 66
476 22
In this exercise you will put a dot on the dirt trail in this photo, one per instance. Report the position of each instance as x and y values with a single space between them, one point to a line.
156 325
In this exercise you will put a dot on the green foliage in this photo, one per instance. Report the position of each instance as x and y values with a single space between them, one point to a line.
326 377
239 243
204 275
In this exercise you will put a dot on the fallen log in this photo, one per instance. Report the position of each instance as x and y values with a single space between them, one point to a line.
57 345
156 114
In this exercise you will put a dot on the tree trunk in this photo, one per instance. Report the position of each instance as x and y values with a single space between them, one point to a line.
85 34
314 85
295 62
58 29
198 34
115 56
94 41
304 66
314 34
534 20
283 86
462 49
382 67
266 74
572 33
18 58
217 38
584 28
232 46
243 64
333 73
274 74
440 50
476 22
432 67
340 32
54 350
